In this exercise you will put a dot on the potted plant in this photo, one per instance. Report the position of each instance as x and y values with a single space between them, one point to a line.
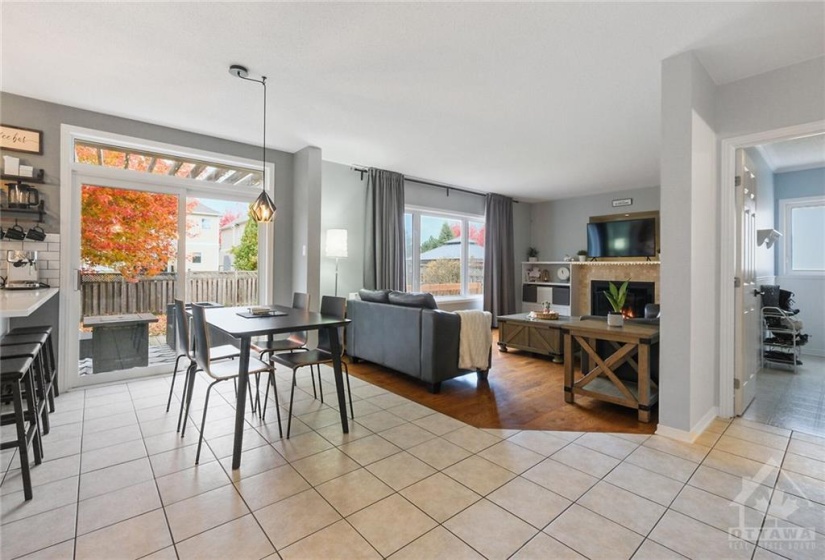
532 254
582 255
616 297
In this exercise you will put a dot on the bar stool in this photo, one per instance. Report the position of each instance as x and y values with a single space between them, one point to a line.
46 360
46 330
15 375
11 350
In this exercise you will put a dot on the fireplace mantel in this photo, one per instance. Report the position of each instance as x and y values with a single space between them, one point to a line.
618 271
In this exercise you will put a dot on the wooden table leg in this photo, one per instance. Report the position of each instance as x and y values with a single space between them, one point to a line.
644 382
568 368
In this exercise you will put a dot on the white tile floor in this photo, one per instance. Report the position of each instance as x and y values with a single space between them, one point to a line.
407 482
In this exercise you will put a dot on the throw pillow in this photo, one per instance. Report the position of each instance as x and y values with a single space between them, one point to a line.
413 299
374 296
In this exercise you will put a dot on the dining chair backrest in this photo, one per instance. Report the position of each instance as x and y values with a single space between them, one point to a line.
300 300
334 307
201 337
182 344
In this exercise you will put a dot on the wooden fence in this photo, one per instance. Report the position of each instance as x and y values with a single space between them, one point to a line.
110 294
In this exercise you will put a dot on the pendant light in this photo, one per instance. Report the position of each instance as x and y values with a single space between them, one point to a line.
263 209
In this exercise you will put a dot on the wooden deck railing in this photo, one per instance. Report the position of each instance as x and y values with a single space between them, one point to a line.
110 294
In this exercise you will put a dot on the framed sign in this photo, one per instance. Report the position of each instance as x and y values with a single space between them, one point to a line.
16 139
622 202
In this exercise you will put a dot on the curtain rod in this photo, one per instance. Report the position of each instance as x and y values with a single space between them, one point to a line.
362 170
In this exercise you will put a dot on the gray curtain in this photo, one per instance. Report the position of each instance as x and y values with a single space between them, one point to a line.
499 257
384 241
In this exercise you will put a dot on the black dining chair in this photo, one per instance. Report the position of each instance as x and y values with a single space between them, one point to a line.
322 354
294 342
184 348
222 370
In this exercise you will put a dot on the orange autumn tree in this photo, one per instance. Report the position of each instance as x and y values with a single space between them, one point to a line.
131 232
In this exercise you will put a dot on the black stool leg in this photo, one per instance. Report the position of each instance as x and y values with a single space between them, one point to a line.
22 440
31 403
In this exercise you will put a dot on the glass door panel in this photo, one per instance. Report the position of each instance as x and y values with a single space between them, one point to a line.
128 250
221 252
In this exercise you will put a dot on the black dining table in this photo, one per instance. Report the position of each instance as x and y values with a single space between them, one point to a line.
229 320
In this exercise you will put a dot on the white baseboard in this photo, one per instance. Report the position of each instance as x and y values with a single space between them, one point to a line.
695 432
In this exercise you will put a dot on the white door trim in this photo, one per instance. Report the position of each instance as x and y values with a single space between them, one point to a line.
727 247
71 171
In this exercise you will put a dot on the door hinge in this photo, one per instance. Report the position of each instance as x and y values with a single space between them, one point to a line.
737 182
736 383
737 282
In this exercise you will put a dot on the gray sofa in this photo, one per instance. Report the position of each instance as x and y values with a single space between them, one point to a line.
404 332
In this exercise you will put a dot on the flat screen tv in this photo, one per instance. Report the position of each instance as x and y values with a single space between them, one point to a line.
625 238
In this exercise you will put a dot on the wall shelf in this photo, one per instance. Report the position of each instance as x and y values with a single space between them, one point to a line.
38 178
39 211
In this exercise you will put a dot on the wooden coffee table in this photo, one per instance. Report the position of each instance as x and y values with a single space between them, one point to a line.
533 335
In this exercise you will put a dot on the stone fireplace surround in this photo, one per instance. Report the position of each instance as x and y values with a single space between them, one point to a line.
614 271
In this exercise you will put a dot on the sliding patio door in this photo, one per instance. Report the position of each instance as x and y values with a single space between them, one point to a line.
144 224
131 241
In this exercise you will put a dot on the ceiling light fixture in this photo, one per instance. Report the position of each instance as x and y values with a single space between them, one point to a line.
263 209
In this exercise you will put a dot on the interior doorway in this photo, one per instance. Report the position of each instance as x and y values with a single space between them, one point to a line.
785 170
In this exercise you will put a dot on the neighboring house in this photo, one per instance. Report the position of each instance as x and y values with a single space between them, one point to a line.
202 238
230 237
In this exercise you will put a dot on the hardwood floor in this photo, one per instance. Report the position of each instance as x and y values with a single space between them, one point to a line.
523 391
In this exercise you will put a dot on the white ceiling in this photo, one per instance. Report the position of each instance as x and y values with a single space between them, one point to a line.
538 101
807 152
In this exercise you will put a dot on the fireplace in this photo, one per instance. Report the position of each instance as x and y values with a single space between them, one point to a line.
639 294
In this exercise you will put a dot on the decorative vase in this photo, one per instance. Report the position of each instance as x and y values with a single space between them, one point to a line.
615 319
582 258
532 259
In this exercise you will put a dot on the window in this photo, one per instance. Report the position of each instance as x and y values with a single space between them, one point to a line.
803 225
197 258
157 163
206 223
444 253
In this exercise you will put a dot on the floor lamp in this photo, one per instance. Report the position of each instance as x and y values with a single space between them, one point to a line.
336 248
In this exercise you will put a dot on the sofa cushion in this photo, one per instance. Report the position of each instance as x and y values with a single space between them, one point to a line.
413 299
374 296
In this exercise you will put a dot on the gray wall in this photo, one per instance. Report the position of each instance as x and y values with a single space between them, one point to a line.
695 116
559 226
689 348
343 206
306 229
47 117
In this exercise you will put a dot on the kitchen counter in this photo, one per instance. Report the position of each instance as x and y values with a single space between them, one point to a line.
22 303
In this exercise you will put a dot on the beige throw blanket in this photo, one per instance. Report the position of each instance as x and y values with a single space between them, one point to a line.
475 339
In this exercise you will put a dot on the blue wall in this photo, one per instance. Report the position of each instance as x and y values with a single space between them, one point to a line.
798 184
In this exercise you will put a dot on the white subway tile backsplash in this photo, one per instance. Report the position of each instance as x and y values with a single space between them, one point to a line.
49 275
48 264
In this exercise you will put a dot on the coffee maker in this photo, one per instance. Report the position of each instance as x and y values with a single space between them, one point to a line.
21 269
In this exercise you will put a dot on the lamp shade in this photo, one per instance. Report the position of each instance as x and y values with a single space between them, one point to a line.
336 243
263 209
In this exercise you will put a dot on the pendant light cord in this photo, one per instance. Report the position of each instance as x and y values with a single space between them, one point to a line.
262 81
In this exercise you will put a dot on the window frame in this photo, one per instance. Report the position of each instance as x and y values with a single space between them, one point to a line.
786 208
465 218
